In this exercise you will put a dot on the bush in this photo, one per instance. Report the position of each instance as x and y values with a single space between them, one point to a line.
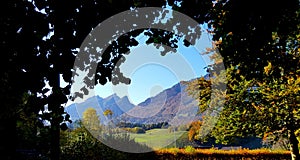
189 149
215 154
137 130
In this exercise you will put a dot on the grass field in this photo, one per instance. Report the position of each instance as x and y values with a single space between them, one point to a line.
157 138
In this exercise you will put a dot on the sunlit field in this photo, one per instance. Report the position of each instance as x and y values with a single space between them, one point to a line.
157 138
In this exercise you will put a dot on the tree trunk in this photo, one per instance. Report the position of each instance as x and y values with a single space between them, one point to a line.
7 136
294 145
55 122
55 133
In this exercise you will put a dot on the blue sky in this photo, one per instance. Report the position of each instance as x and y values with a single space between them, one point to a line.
151 73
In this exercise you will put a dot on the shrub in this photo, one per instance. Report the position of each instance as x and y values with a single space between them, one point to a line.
189 149
190 153
138 130
81 145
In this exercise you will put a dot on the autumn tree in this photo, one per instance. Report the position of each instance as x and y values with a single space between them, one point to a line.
280 100
108 113
194 130
91 120
260 49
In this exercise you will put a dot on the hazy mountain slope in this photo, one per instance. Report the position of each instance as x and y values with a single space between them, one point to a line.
116 104
172 105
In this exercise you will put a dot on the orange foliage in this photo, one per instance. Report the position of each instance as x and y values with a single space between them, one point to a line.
175 153
194 130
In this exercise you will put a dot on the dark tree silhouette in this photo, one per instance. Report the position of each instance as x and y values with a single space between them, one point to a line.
33 56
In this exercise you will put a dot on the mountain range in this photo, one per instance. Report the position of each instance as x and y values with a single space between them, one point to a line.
172 105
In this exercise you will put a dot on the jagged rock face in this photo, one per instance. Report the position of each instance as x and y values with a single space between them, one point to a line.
172 104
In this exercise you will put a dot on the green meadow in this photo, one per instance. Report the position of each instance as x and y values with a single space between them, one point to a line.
157 138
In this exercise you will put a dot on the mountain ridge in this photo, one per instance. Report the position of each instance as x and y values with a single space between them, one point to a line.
169 104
